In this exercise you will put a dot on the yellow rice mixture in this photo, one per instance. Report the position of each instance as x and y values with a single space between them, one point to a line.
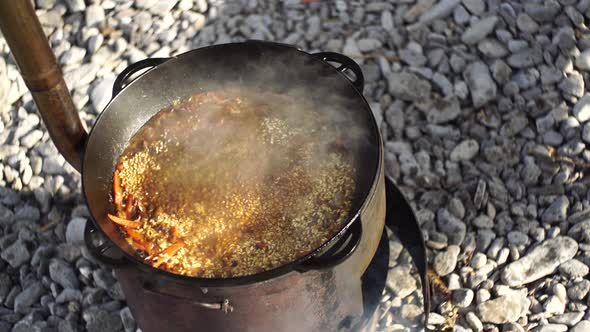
246 188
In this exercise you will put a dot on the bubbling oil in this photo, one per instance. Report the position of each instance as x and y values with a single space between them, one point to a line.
246 180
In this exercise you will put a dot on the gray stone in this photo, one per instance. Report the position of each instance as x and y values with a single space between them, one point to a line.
127 320
525 58
411 312
557 211
478 260
574 16
16 254
387 21
75 231
483 88
483 221
457 63
479 30
103 279
530 172
550 75
368 44
94 15
145 4
460 15
162 7
440 10
454 228
501 71
68 295
94 43
512 327
29 296
401 281
574 269
445 261
579 290
572 85
517 238
492 48
31 139
456 207
539 262
443 83
412 58
443 111
582 109
586 133
101 320
517 45
45 4
554 305
408 86
73 55
351 48
66 326
526 23
583 60
582 326
551 328
580 231
543 12
75 5
504 309
62 273
476 7
569 318
81 76
474 322
462 298
101 94
552 138
466 150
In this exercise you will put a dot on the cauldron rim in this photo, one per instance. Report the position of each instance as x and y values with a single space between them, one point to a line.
266 275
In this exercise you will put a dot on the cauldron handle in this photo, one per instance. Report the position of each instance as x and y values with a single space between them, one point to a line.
345 64
336 254
225 306
122 79
98 251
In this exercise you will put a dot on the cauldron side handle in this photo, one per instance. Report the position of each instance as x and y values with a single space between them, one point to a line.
40 71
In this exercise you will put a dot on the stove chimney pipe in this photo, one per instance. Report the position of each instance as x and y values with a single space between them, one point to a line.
37 64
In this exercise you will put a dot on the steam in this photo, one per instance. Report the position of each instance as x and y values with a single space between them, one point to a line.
320 117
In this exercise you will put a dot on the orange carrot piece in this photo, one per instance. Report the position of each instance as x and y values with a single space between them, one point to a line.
134 235
117 190
129 205
119 167
140 246
165 255
124 222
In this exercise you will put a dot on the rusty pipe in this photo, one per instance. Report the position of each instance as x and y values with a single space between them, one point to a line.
37 64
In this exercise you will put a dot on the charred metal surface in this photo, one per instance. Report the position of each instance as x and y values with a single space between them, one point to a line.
311 301
373 219
330 300
212 68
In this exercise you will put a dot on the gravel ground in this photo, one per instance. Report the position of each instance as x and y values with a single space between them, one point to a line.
482 105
